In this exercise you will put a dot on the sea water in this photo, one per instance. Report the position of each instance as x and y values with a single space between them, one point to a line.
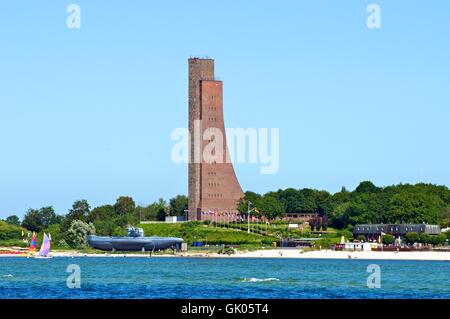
157 277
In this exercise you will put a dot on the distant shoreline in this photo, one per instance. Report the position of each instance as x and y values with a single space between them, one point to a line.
272 253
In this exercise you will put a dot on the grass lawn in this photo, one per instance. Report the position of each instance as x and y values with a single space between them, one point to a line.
208 234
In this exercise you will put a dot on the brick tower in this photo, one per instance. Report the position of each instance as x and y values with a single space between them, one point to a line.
213 186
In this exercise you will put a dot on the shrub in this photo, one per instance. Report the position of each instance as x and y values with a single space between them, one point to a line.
324 243
361 238
388 239
412 238
447 234
10 231
63 244
438 239
76 235
345 232
425 239
13 220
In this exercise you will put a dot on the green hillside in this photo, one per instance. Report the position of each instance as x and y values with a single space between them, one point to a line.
195 231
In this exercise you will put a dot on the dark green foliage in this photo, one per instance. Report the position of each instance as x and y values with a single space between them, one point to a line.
366 187
438 240
393 204
80 211
324 243
178 205
424 239
412 238
249 196
388 239
13 220
435 240
32 220
104 212
38 219
104 219
447 234
124 205
154 212
368 203
361 238
324 222
274 204
269 206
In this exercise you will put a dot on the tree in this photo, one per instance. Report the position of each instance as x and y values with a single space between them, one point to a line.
47 216
312 224
414 207
269 206
324 222
32 220
100 213
392 204
124 205
388 239
38 219
306 201
76 236
249 196
412 238
339 217
178 205
162 209
447 234
324 203
341 197
437 240
80 211
317 223
366 187
361 238
13 220
293 200
154 211
425 238
103 218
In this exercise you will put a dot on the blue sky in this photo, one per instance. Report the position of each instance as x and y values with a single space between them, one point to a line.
88 113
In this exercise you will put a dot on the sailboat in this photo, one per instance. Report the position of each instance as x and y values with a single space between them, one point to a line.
45 248
33 243
32 249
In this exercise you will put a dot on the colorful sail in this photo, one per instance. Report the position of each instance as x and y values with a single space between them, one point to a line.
33 242
45 248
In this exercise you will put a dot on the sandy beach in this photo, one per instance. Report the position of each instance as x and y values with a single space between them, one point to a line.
330 254
274 253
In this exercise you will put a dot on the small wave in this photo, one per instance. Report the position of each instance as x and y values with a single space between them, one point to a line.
259 279
7 276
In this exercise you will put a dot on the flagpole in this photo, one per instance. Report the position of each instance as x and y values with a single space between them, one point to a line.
248 219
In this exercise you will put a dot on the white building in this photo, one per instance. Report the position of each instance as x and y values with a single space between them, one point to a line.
358 246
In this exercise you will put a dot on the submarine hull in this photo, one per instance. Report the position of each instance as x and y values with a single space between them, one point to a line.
133 244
